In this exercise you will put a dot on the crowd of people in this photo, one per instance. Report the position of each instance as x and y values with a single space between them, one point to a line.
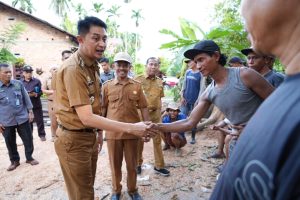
257 125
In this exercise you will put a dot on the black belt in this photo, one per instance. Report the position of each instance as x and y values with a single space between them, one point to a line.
86 130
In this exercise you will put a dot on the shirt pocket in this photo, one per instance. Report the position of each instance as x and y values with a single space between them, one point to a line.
113 101
134 99
3 98
18 96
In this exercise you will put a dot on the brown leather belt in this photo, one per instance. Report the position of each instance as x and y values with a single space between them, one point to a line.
85 130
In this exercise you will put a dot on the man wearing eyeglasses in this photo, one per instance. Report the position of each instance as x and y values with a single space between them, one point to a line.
261 64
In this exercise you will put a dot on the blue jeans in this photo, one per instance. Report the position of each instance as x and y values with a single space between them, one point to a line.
24 132
187 109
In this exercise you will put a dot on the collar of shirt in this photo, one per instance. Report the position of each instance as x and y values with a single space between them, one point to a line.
150 77
1 84
116 81
83 62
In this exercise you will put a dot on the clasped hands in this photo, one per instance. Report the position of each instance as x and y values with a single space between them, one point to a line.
146 130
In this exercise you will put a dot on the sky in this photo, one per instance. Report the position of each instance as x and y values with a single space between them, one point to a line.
158 14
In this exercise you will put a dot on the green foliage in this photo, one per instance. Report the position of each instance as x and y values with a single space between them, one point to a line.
164 65
114 11
80 11
6 56
25 5
176 93
8 38
138 69
136 15
98 7
9 35
60 6
19 62
68 25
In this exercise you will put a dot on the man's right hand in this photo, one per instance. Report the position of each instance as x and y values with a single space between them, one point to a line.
1 128
144 129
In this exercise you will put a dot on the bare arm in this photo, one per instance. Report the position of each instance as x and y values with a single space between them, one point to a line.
145 114
256 83
187 124
89 119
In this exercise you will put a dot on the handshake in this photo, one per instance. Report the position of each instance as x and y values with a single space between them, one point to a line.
146 130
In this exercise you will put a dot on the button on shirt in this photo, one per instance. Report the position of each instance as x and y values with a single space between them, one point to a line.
77 84
14 103
30 87
122 101
154 91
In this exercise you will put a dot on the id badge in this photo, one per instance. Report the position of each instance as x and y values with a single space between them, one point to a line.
17 102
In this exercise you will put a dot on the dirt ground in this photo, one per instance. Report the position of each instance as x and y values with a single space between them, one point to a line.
193 175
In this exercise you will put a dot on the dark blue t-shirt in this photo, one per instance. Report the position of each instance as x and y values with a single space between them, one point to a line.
265 164
192 86
166 119
274 78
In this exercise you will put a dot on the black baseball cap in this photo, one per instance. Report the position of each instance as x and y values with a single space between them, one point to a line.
236 60
202 47
247 51
27 68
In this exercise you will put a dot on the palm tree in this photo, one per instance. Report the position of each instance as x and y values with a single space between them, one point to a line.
98 7
25 5
80 11
60 6
136 15
114 11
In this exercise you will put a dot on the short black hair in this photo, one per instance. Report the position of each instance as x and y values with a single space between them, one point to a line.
3 65
223 58
84 25
152 58
65 51
106 60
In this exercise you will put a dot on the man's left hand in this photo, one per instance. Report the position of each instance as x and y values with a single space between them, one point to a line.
30 116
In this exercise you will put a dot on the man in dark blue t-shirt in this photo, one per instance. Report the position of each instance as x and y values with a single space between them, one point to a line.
176 140
265 163
190 91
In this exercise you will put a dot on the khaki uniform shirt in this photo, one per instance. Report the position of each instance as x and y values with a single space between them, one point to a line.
77 84
47 83
122 102
154 91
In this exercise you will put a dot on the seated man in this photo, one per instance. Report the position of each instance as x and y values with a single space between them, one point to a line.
176 140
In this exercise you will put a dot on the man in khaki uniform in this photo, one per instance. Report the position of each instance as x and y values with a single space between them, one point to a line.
47 89
153 89
122 98
78 111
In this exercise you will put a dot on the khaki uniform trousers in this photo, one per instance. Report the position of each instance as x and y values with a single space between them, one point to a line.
53 118
116 150
78 154
158 154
